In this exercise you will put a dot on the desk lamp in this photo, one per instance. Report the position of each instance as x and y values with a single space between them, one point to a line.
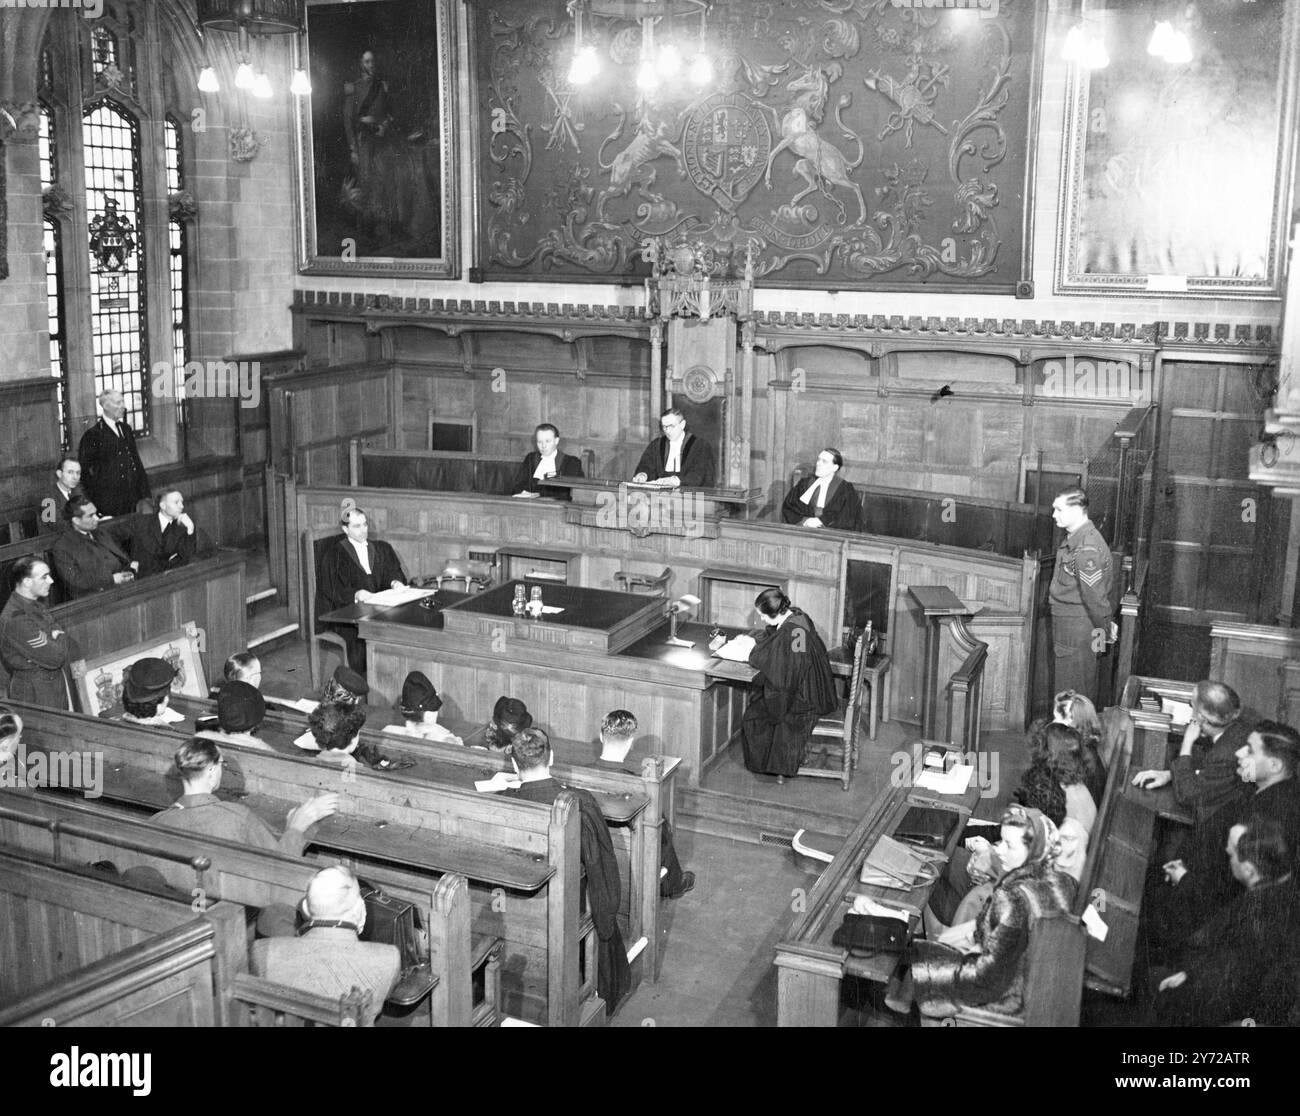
683 606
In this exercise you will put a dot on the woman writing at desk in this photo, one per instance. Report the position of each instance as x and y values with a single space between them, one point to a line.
980 963
798 687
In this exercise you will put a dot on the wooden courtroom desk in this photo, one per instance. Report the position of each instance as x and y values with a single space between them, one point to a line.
209 591
809 967
426 527
1156 740
682 709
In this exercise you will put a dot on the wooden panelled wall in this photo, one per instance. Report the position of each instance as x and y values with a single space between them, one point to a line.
877 409
870 393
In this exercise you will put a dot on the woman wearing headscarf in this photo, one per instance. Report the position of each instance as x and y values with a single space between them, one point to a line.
981 963
798 687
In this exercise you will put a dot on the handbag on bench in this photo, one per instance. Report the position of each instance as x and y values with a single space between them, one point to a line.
393 921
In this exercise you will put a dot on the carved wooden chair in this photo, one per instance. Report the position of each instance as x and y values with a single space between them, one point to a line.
832 750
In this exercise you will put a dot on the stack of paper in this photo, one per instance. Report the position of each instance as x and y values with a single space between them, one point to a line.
737 650
390 597
953 781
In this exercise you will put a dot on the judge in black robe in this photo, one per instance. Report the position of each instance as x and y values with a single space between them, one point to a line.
342 580
531 753
798 687
693 465
827 500
558 465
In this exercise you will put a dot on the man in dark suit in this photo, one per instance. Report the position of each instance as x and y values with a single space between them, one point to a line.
112 473
531 753
1204 772
545 461
86 558
351 571
67 479
677 459
165 541
827 500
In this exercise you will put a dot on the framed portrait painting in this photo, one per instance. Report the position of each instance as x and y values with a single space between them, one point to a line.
1177 173
377 174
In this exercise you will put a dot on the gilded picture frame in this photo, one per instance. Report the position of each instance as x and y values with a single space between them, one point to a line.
377 171
97 682
1176 179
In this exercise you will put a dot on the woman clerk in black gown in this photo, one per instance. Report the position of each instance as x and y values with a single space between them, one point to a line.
797 687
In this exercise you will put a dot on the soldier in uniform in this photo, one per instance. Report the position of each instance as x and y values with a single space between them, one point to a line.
33 648
1080 596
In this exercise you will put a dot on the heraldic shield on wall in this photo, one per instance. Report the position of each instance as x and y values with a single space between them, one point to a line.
848 143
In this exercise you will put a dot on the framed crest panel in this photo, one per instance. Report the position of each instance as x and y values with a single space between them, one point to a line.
97 683
865 144
377 156
1176 177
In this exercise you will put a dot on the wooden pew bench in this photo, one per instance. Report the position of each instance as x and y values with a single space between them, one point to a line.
635 806
85 833
174 970
1062 957
521 857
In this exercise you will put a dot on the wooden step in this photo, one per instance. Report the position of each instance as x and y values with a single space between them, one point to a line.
736 818
274 636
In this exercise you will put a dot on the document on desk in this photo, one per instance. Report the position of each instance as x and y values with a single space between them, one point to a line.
865 905
1180 712
953 781
737 649
406 595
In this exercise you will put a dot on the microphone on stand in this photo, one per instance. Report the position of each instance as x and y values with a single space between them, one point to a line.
683 606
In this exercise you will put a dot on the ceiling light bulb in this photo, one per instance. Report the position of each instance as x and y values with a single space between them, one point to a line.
701 70
1072 50
301 84
244 76
585 65
208 80
1095 55
646 77
262 86
1178 50
669 61
1160 38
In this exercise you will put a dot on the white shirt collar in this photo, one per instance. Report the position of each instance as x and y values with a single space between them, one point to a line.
362 556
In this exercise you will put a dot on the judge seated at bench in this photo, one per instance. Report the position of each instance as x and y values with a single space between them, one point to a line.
419 707
329 959
165 540
351 571
677 459
544 462
828 500
86 557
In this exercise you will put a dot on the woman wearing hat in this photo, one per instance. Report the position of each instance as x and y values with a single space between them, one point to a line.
982 962
146 684
510 717
241 709
419 709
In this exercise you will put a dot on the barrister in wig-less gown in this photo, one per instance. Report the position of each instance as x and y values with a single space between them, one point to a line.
798 687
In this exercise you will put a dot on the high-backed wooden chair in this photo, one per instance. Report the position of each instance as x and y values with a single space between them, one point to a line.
309 554
834 738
